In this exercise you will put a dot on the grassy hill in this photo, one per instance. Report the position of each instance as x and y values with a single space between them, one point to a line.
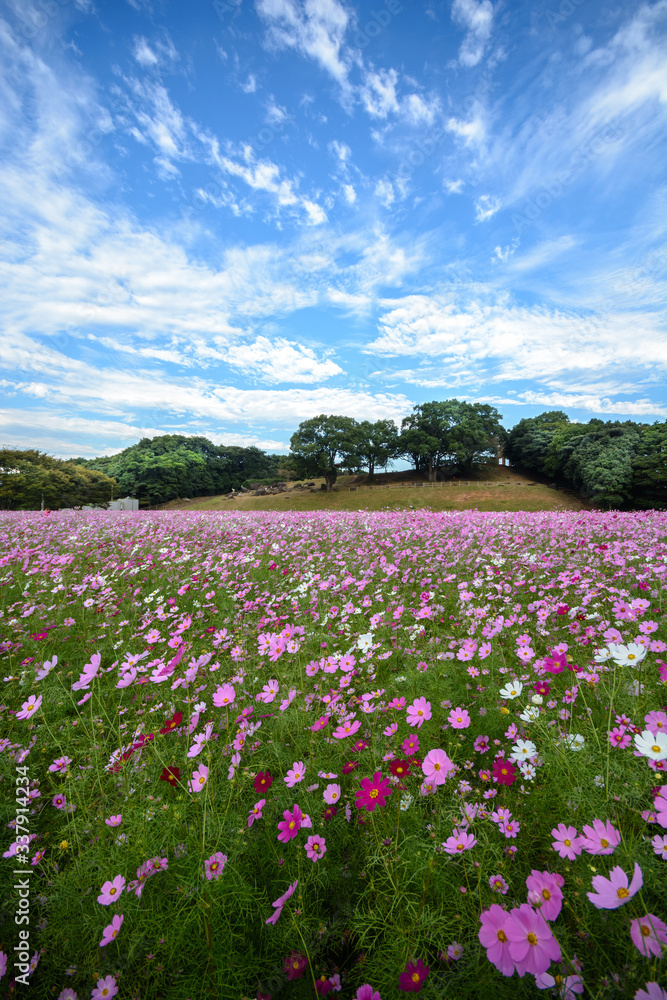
492 489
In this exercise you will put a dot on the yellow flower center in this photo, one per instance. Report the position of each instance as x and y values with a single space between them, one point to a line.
420 712
531 939
645 930
373 794
655 748
622 893
502 936
546 894
436 767
415 977
605 843
112 892
291 826
568 843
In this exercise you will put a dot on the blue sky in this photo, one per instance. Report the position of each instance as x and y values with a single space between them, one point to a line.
224 218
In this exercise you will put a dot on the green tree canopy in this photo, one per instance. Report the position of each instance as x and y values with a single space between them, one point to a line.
323 445
378 443
29 476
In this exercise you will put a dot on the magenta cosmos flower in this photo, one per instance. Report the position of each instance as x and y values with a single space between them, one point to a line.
567 841
437 766
294 965
411 980
110 932
366 992
493 937
532 945
347 729
601 838
547 888
199 779
373 792
290 825
316 847
419 712
111 891
214 865
614 891
649 935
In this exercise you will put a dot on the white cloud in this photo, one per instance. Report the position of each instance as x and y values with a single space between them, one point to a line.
279 361
454 187
486 206
384 191
349 193
378 93
143 53
315 28
250 85
477 18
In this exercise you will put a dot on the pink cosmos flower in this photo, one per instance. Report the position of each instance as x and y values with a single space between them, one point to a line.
320 724
481 744
419 712
498 884
601 838
347 729
60 764
652 992
114 820
256 811
111 891
366 992
437 766
214 865
59 801
106 989
224 695
331 794
110 932
567 986
649 935
532 945
296 774
493 936
290 825
459 841
373 792
29 707
660 846
549 897
199 779
619 737
315 847
614 891
411 745
458 718
567 841
280 902
294 965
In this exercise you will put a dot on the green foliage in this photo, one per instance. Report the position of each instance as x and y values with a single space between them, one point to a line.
28 476
529 441
323 445
600 463
450 431
649 467
174 465
378 443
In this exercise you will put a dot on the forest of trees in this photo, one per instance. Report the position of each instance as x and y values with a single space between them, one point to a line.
615 463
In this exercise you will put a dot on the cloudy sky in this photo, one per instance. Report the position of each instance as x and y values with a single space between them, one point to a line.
225 217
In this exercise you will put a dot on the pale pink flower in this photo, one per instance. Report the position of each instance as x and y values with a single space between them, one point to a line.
296 774
256 811
199 779
614 892
29 707
114 820
315 847
331 794
649 935
110 932
458 718
224 695
419 712
111 891
106 989
437 766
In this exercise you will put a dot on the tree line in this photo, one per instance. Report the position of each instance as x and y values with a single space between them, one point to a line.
615 463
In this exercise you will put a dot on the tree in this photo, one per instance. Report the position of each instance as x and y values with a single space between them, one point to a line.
378 443
600 462
450 431
322 445
529 441
649 468
29 476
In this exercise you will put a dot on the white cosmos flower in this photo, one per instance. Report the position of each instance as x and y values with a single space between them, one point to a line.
530 714
652 745
365 642
574 741
626 655
602 655
528 770
512 690
536 699
523 750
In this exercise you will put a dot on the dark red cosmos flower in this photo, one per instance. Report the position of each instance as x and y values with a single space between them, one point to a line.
401 768
172 723
172 775
504 771
411 980
141 740
329 812
294 965
263 781
350 766
323 986
415 762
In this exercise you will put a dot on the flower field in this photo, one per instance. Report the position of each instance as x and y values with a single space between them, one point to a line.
253 755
